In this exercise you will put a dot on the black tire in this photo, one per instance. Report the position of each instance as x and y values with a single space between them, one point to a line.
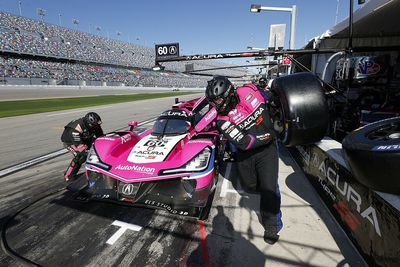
373 155
303 110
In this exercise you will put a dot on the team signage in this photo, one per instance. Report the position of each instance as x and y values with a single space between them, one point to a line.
371 222
167 51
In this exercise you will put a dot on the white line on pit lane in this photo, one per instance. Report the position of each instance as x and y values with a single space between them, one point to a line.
124 226
43 158
77 111
225 183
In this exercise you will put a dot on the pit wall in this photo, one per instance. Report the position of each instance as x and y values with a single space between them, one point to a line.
371 219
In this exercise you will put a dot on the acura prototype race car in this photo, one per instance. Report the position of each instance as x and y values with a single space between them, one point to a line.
173 166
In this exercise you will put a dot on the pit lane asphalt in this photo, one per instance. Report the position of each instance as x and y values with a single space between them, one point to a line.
60 231
25 137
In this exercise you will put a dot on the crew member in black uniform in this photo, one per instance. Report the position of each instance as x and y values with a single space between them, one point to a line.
262 83
77 137
244 120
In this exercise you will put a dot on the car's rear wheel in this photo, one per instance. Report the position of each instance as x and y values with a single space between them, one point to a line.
373 155
299 109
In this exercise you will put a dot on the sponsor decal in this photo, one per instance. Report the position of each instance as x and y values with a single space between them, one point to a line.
250 120
151 149
105 138
259 120
386 148
210 115
128 189
125 138
329 178
165 206
235 114
213 56
239 137
347 216
230 129
199 141
148 152
263 137
304 154
155 143
367 66
234 133
136 168
174 113
326 188
225 125
248 97
254 102
101 196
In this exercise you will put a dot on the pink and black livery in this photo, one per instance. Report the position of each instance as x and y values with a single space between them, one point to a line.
172 166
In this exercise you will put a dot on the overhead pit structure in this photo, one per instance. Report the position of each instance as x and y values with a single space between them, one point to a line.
376 28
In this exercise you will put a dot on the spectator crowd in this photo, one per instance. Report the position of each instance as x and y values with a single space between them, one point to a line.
30 37
62 71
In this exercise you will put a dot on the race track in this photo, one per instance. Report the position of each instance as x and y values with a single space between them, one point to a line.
60 230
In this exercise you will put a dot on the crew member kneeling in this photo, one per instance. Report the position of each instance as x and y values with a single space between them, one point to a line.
244 120
77 137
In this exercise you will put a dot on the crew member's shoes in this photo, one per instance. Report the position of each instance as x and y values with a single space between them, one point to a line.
270 237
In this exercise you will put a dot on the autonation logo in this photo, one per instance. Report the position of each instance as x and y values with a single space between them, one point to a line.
136 168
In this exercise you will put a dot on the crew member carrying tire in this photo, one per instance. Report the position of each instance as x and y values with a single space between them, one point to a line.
244 120
77 137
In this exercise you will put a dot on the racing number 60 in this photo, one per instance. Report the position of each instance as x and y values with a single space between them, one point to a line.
162 50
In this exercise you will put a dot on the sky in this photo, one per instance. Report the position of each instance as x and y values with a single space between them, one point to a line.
202 26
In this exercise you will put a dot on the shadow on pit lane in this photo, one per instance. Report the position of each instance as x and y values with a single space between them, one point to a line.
297 186
222 245
302 190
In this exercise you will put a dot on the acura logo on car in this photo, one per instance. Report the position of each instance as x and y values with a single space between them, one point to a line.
128 189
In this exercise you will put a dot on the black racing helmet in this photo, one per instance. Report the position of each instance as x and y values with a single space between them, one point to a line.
262 82
92 119
219 92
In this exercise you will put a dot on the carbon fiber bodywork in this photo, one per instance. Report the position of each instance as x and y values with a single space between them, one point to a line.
177 196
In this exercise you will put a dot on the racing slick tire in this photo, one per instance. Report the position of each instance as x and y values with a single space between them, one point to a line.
373 155
301 115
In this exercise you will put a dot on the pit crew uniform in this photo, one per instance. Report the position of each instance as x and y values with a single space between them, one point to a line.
77 138
249 128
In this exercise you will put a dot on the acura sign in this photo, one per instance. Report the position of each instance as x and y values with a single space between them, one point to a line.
129 189
167 51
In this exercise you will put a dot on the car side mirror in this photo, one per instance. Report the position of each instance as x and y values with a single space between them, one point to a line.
132 124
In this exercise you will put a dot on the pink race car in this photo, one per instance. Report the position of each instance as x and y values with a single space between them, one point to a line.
173 166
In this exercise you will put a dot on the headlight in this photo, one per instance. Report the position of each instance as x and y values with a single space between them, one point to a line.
94 159
198 163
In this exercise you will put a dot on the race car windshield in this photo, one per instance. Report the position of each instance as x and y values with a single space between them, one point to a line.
165 126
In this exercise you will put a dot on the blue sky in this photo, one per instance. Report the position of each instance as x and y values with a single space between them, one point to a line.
204 26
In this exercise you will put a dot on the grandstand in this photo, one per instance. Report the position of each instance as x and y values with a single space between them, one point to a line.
32 49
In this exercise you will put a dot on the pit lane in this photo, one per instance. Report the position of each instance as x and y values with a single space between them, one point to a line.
59 230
